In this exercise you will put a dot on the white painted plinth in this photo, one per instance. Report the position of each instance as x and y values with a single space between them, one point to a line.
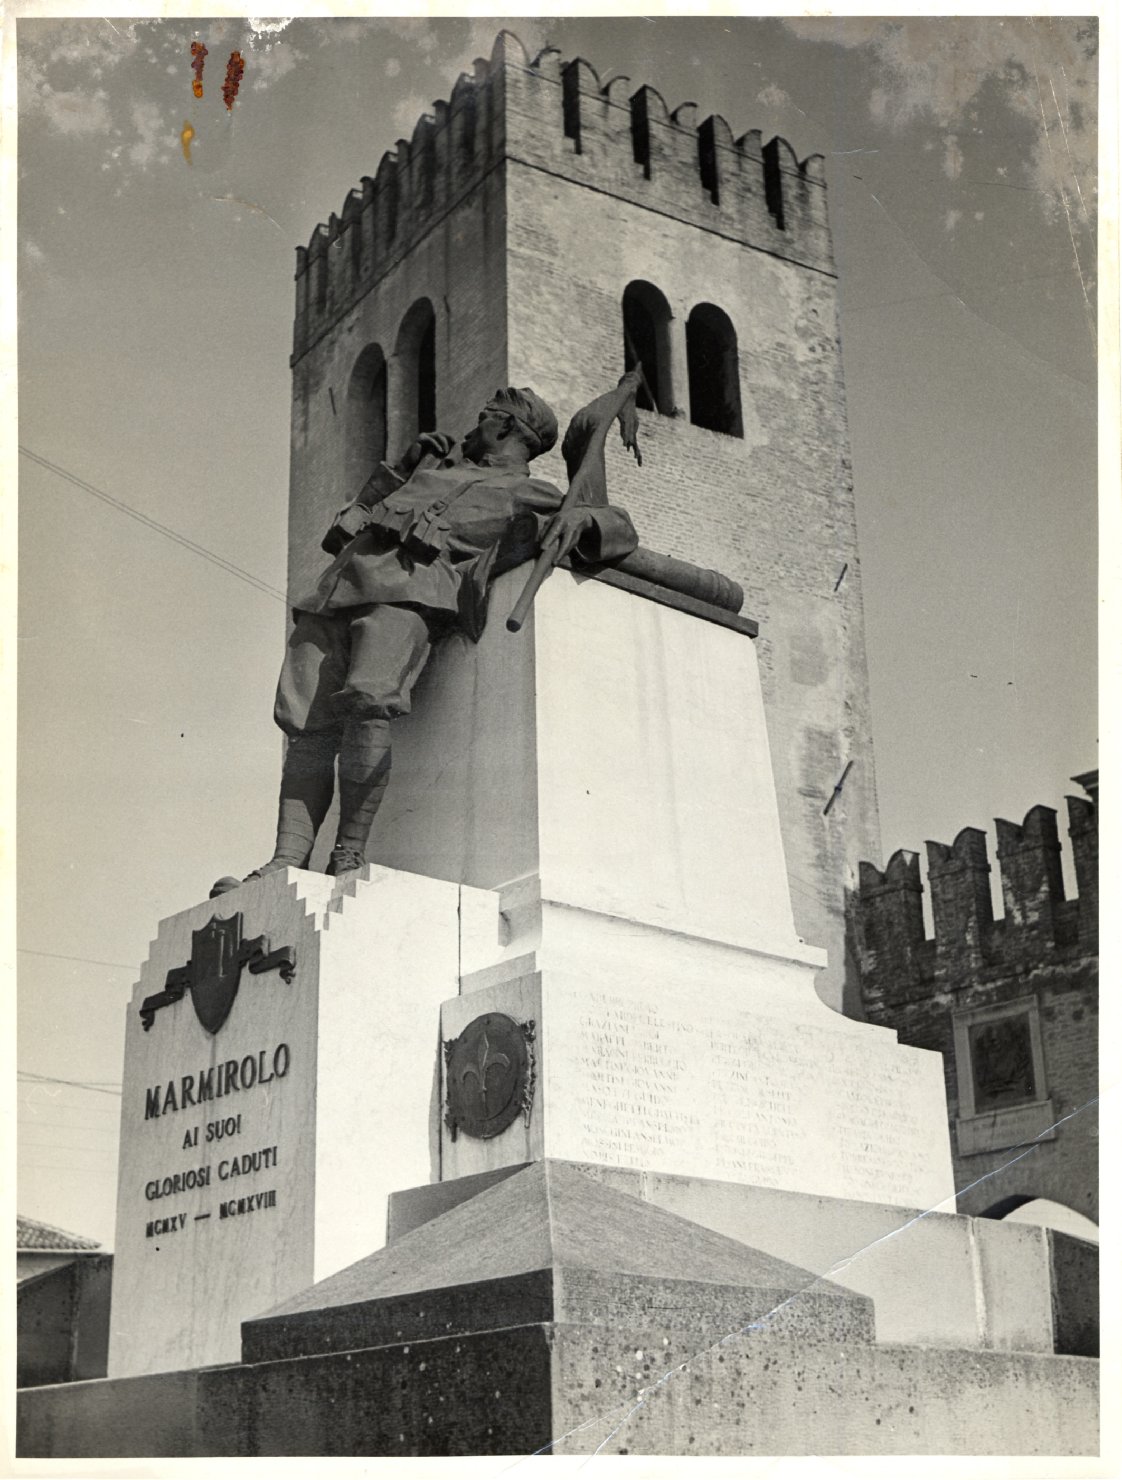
347 1116
689 1074
608 771
614 750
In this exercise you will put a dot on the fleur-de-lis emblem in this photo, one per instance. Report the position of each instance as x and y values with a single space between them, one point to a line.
489 1075
487 1060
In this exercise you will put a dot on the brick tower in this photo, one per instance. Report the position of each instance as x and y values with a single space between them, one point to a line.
1012 1004
541 229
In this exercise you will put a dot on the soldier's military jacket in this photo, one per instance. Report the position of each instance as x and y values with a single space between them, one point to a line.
436 539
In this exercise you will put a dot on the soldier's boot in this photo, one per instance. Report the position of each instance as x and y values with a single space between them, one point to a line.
307 786
364 772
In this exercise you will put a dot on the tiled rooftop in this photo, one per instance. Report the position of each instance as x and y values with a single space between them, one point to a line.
31 1234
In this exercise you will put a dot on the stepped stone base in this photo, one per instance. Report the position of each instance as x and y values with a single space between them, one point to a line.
550 1313
518 1390
552 1245
936 1279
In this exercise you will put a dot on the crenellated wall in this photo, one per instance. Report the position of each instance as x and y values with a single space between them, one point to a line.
1011 1002
520 211
898 961
558 116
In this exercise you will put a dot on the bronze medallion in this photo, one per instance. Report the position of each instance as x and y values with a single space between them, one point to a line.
489 1073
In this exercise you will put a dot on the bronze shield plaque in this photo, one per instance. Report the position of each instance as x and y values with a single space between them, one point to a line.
489 1075
216 965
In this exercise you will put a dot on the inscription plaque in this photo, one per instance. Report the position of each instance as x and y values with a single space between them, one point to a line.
1001 1059
721 1091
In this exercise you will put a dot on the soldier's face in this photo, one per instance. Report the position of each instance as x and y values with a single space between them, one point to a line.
487 435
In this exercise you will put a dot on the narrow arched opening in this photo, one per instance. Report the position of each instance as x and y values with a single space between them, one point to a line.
365 424
426 376
413 379
1044 1212
714 371
646 340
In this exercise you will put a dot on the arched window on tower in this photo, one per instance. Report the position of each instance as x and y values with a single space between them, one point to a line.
413 378
365 427
426 376
714 370
646 338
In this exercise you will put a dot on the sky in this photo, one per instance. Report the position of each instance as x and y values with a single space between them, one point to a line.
155 316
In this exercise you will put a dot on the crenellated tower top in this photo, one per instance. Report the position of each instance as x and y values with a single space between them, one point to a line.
1039 926
557 115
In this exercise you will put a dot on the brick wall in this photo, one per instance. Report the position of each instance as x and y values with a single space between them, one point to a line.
459 264
773 509
1038 964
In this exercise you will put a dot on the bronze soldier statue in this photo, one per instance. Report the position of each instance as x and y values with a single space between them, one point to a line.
414 554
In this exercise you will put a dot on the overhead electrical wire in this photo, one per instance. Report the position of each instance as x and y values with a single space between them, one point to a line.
188 544
105 1087
115 503
88 960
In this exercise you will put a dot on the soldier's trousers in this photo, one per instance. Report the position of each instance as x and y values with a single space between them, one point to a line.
350 666
345 677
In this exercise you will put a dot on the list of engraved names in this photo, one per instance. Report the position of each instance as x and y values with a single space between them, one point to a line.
725 1094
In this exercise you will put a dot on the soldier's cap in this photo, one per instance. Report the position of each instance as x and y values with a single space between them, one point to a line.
530 412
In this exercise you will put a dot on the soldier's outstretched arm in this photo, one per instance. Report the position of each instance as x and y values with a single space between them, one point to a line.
586 522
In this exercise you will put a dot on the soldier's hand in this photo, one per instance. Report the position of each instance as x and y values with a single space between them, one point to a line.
564 531
436 444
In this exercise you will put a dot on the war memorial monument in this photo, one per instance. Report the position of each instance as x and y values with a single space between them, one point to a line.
507 1108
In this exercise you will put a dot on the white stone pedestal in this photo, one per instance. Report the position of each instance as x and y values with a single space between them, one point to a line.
677 1071
608 770
613 754
581 829
257 1159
